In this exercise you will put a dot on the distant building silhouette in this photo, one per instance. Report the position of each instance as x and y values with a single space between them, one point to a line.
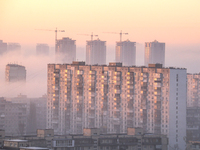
13 117
15 73
65 50
3 47
96 52
126 53
13 47
36 108
42 49
154 53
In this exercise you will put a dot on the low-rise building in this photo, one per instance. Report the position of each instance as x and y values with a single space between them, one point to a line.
91 139
33 148
193 145
15 144
135 139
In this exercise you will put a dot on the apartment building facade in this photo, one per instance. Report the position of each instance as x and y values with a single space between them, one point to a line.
193 90
15 73
114 98
36 111
193 107
13 117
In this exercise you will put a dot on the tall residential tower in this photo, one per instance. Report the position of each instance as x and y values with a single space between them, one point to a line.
114 98
96 52
126 53
13 47
3 47
193 90
154 53
65 50
15 73
42 49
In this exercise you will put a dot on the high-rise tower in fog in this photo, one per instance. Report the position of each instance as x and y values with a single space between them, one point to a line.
13 47
96 52
3 47
154 53
65 50
42 49
15 73
126 53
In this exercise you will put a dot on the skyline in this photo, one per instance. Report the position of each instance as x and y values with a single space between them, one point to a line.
175 23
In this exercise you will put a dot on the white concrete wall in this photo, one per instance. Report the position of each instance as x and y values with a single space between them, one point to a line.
177 108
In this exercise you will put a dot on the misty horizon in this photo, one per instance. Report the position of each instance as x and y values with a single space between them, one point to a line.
36 65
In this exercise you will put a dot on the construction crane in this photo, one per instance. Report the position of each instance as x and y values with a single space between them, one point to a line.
56 31
120 34
89 35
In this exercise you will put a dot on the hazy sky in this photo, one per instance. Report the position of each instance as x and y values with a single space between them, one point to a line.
175 22
169 21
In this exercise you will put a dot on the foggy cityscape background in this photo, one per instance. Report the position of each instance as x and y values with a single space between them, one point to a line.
156 106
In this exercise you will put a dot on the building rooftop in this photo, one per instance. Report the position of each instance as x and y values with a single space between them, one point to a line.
33 148
16 140
117 64
14 65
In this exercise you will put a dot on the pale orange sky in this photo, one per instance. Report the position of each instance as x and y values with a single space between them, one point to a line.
175 22
169 21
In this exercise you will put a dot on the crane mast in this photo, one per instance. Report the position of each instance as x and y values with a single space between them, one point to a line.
120 34
56 32
91 35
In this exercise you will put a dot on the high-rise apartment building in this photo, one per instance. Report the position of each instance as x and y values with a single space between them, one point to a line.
193 90
36 111
193 124
42 49
193 107
65 50
13 117
3 47
96 52
13 47
114 98
126 53
15 73
154 53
